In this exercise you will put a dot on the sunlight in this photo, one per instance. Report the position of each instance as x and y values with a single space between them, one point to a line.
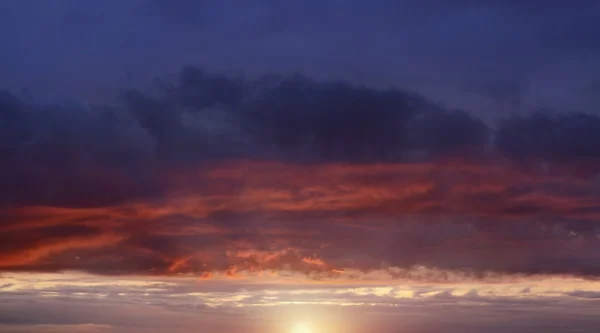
301 328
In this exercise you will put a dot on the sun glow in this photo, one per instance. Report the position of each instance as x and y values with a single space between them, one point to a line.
301 328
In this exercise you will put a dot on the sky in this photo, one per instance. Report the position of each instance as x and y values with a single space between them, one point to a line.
332 166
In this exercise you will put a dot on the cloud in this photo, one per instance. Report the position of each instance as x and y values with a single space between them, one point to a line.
215 173
56 328
73 300
96 155
584 294
215 188
552 140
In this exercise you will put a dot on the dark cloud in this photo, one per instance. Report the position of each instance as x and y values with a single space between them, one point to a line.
342 122
199 174
60 153
77 152
584 294
547 140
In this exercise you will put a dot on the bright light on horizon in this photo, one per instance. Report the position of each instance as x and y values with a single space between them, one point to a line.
302 328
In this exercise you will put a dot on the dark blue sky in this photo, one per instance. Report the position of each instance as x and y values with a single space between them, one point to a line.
497 56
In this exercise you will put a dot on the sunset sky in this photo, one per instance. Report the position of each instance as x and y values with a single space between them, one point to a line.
316 166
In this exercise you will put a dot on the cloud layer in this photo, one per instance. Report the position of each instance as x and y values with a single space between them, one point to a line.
85 303
214 173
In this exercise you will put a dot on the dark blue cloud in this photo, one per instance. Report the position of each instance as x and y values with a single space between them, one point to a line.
548 140
203 116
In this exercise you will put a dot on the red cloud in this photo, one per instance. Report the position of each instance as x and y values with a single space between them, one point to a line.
256 216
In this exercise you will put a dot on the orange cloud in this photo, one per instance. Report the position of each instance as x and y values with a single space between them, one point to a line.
267 216
37 253
313 261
